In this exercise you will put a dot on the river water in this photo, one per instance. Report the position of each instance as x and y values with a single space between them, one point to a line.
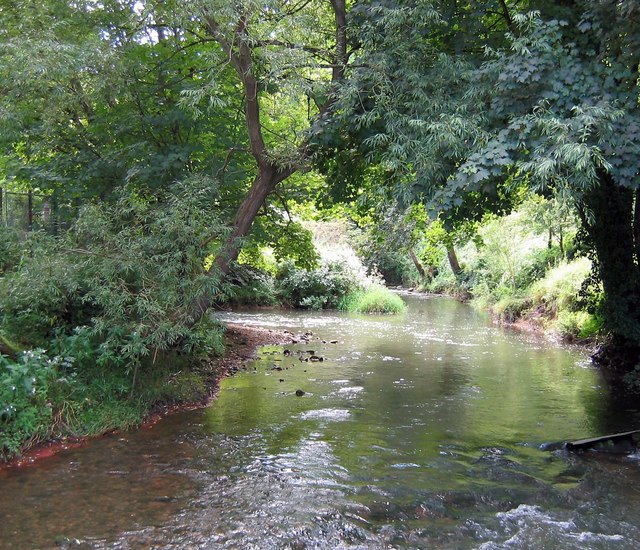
416 431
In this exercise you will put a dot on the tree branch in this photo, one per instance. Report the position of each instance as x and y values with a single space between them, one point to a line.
292 46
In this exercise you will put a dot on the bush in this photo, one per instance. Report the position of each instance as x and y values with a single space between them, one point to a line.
128 272
443 283
251 286
510 308
316 289
395 267
375 299
10 249
45 295
112 297
509 256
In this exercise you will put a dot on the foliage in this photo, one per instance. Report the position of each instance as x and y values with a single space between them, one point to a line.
510 269
432 246
509 256
286 239
92 99
510 308
10 249
553 216
27 388
574 325
375 299
128 272
321 288
251 286
393 263
112 299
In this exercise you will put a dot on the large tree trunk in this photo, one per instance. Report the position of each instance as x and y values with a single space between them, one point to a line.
264 183
610 225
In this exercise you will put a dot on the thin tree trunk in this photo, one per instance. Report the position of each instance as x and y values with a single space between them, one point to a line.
636 225
340 62
417 263
30 210
453 260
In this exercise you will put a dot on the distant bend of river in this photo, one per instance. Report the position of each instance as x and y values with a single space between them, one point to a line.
421 430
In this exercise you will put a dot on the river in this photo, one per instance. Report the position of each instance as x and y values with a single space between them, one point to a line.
421 430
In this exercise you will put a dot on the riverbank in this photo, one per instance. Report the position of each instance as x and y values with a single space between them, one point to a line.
241 344
534 320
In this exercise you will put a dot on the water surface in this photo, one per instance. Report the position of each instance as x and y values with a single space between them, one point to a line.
416 431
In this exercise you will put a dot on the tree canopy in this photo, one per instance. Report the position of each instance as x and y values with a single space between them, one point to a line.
448 105
464 103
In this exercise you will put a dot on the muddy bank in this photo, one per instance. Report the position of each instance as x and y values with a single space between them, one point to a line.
241 344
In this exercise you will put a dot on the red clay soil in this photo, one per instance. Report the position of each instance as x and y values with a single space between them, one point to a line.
241 343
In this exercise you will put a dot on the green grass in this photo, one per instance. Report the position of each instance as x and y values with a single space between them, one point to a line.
375 299
559 289
578 325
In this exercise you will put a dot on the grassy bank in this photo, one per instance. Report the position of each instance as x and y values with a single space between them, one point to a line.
45 404
375 299
527 273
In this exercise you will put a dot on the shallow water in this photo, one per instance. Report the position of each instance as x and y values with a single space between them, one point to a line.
416 431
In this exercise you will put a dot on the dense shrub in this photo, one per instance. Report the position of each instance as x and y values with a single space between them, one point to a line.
578 324
111 300
28 388
395 266
45 295
10 249
129 272
559 289
316 289
251 286
510 308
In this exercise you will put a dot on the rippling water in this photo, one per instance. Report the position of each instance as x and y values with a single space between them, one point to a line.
416 431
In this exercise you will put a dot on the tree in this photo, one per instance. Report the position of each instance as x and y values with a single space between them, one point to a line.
412 108
92 100
260 41
552 106
145 93
569 91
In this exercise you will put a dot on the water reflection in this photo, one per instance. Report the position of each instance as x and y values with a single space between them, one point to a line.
415 431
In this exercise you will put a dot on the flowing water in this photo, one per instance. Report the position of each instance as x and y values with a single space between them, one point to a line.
416 431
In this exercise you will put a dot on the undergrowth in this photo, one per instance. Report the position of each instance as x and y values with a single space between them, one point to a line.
110 301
